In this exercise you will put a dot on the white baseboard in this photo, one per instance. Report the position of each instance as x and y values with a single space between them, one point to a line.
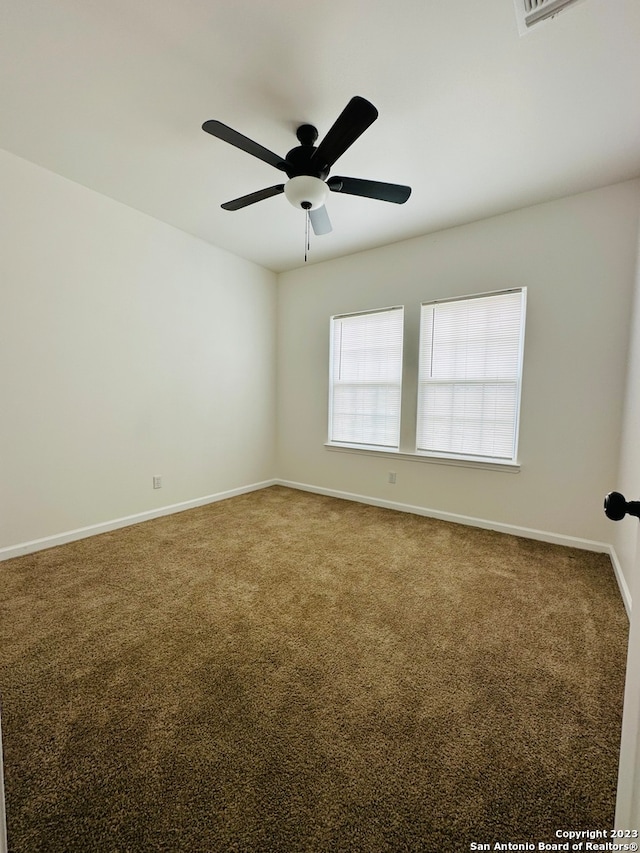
514 530
500 527
105 526
622 583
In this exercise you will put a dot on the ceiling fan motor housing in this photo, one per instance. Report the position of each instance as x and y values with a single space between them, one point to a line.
299 161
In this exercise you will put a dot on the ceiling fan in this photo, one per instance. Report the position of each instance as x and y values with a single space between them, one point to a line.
308 166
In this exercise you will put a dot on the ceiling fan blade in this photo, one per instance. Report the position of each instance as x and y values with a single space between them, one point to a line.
397 193
227 134
350 124
320 221
252 198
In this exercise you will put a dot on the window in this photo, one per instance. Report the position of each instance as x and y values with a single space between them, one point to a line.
462 379
366 378
469 376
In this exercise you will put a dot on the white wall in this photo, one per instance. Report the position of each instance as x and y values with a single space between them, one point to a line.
577 258
127 349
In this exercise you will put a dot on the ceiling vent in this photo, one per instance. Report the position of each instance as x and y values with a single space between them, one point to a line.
530 12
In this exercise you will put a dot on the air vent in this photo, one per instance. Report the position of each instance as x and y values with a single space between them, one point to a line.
530 12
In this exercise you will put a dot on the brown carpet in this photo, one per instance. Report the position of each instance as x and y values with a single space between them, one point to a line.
283 671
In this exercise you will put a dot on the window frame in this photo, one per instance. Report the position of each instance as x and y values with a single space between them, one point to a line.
409 389
515 381
354 444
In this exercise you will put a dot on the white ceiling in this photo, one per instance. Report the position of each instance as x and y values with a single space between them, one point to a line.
476 118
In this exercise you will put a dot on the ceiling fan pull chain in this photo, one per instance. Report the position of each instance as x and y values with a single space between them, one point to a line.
306 235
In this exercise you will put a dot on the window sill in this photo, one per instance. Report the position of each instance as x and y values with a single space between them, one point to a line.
508 467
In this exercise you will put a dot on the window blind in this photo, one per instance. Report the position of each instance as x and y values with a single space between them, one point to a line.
469 376
366 378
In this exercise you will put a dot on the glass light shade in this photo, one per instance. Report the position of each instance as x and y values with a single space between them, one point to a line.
306 192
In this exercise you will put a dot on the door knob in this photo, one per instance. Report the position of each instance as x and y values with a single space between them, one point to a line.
616 507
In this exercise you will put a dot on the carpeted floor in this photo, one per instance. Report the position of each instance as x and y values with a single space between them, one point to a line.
289 672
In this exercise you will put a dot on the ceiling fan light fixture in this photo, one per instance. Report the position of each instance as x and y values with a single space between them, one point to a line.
306 192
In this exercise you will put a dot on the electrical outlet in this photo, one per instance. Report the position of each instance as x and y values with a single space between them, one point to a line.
157 481
392 477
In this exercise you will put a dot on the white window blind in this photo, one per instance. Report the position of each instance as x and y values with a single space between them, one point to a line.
470 375
366 378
